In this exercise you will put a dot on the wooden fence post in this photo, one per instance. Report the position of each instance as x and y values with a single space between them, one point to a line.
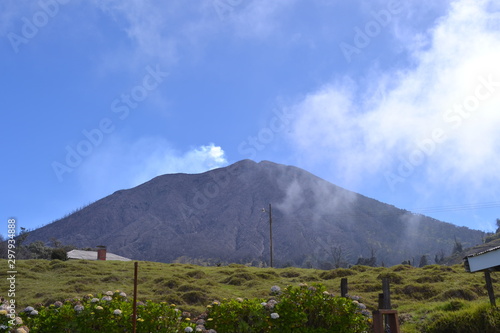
384 316
387 294
343 287
489 287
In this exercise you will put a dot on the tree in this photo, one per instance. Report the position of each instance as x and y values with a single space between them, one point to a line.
372 261
21 237
59 254
335 256
498 226
338 256
55 242
3 247
439 258
38 250
367 261
457 248
423 261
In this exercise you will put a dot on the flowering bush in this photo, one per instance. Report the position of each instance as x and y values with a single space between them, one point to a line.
297 309
111 312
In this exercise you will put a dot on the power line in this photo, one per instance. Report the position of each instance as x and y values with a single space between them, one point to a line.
459 207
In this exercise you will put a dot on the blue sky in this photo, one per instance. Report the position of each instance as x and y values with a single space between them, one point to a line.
396 100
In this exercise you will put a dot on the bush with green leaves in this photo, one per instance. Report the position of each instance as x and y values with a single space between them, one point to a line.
109 312
298 309
481 318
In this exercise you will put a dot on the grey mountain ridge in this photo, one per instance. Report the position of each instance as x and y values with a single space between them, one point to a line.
217 216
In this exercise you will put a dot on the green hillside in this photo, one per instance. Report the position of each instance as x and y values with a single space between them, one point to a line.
417 293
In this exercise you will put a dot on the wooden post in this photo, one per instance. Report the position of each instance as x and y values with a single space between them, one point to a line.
134 305
489 287
271 234
387 294
384 318
381 301
343 287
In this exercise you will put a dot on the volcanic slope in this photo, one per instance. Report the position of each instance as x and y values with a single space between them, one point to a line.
217 216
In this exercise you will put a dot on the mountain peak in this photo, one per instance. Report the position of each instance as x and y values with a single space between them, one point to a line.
217 216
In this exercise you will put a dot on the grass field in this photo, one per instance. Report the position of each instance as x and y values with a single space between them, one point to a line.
417 293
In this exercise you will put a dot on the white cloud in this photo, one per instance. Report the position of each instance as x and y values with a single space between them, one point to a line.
163 160
367 128
119 164
150 27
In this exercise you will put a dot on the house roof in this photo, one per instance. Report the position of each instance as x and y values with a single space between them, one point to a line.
483 252
92 255
484 260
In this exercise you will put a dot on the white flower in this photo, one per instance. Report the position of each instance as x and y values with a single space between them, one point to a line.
94 300
117 312
107 298
122 294
29 309
188 329
274 315
34 313
271 303
109 293
275 289
366 313
78 308
263 303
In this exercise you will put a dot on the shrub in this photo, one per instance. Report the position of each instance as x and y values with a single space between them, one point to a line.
465 294
56 264
336 273
393 277
104 313
197 274
430 279
399 268
267 275
59 254
453 305
299 309
194 297
478 319
417 291
234 281
290 274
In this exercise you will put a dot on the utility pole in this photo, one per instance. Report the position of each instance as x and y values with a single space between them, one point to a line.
271 234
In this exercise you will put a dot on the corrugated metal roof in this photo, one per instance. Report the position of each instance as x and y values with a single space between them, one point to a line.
467 264
92 255
483 252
